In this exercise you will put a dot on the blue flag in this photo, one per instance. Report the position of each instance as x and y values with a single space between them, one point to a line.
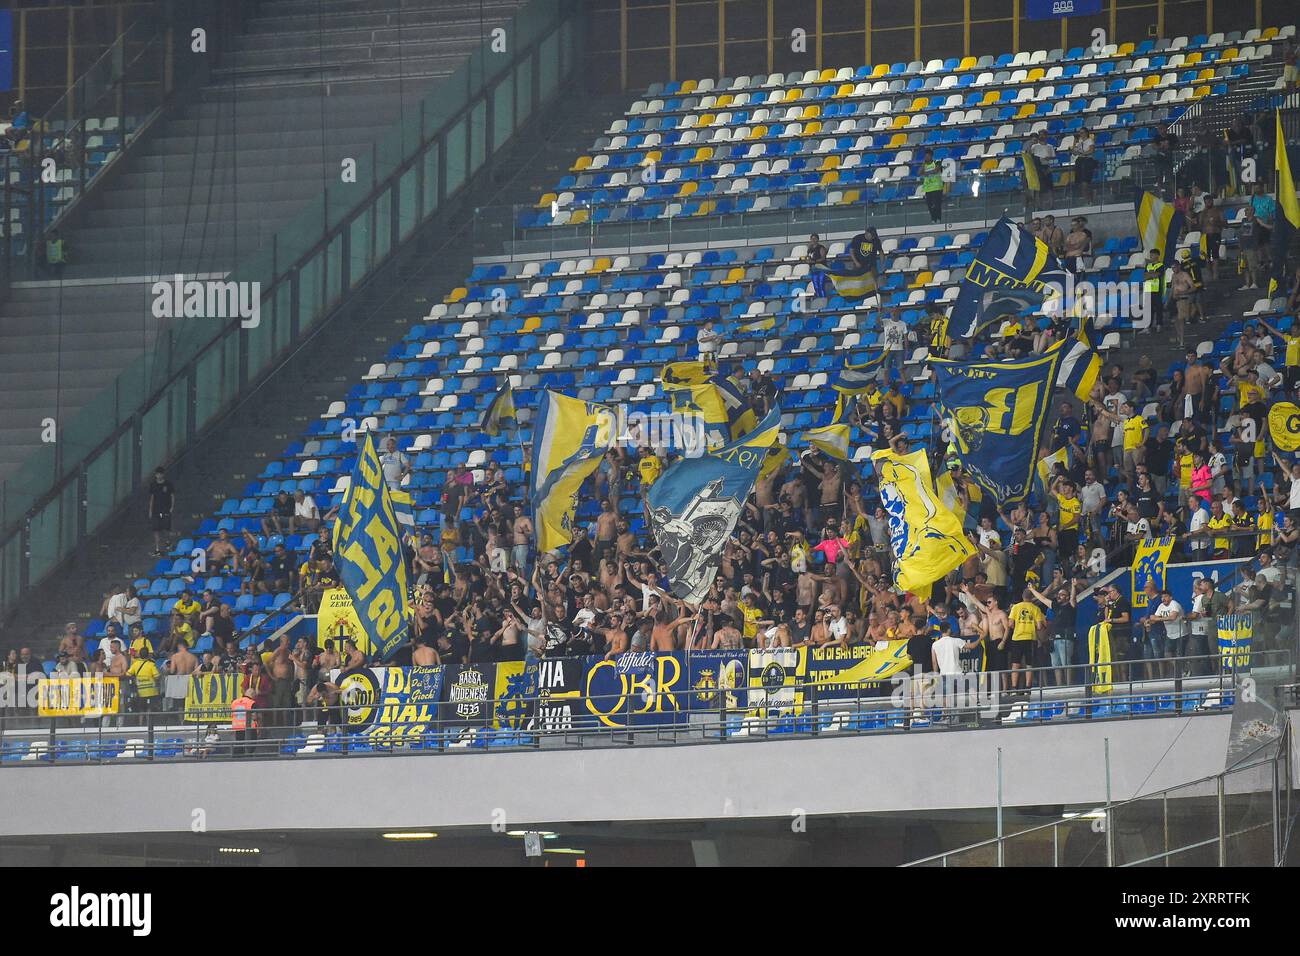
995 413
368 553
695 504
1009 274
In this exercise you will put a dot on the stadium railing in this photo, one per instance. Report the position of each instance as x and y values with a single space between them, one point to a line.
692 716
1240 817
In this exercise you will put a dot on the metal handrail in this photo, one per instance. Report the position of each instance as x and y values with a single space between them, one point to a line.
840 715
1278 756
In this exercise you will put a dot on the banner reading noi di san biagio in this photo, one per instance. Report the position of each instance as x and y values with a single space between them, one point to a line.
635 689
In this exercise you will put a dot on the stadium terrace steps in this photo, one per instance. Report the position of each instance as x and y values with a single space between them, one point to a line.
322 373
214 182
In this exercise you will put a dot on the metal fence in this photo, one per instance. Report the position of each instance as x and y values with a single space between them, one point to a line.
1240 817
158 729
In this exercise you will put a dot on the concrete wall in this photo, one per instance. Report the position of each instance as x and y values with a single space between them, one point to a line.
915 771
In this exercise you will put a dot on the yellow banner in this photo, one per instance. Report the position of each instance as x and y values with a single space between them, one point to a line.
337 621
208 699
1284 426
1150 558
78 696
1099 657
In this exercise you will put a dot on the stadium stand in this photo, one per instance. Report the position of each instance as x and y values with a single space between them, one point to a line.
207 186
600 324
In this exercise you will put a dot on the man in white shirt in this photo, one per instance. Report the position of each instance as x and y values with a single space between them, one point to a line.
113 611
707 340
988 535
305 513
395 465
839 627
1200 518
893 338
1168 613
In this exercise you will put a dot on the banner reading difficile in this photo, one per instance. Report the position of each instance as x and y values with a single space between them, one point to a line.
368 554
926 538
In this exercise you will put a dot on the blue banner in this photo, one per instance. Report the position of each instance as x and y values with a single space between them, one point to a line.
6 50
638 688
995 413
1009 274
719 680
368 554
391 702
1059 9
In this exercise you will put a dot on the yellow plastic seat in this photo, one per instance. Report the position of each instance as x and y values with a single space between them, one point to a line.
897 141
812 127
991 98
654 156
737 274
688 86
706 208
1231 53
967 63
703 154
1126 49
688 188
850 197
829 178
546 200
989 165
725 100
922 280
830 161
758 132
456 294
579 216
1269 33
1036 74
882 69
811 112
844 90
532 323
600 265
579 164
1200 91
1193 59
827 76
1026 110
920 104
1151 81
901 122
793 95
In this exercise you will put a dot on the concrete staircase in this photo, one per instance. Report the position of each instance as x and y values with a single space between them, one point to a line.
309 84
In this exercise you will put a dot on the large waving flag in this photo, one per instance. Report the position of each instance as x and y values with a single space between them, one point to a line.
686 372
832 439
1159 226
1010 273
719 400
996 412
926 537
855 380
1080 365
1288 208
499 411
695 504
568 440
849 279
368 553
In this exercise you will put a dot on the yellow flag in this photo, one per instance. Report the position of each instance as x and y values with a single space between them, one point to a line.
926 537
1286 197
568 441
831 439
1284 426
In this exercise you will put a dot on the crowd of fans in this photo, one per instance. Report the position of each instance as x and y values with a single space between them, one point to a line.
1184 452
